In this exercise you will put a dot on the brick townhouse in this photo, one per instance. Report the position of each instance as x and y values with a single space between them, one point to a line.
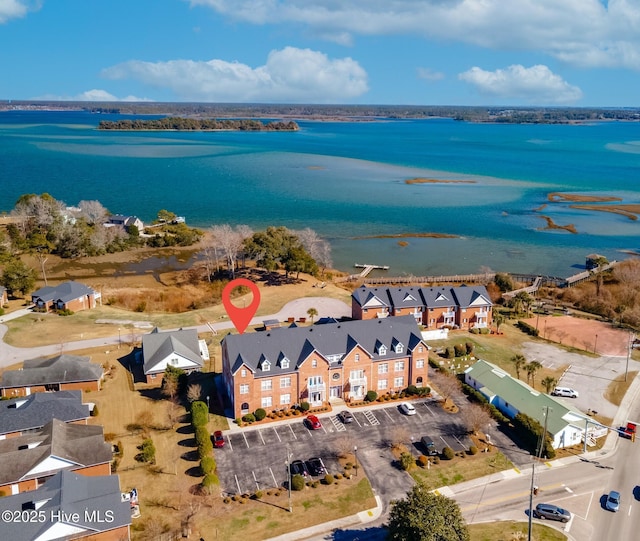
282 367
463 307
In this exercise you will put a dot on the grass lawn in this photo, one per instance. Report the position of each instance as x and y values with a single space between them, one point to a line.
43 329
513 531
458 470
618 388
497 349
270 517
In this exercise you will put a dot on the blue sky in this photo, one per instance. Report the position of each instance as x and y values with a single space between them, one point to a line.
404 52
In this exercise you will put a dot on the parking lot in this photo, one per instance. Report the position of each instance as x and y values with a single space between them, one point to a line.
255 459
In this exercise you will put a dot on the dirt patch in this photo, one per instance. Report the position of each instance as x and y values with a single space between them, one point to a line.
585 334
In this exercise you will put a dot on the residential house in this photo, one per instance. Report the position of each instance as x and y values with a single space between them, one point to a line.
565 424
61 373
27 461
69 506
26 414
370 303
126 222
180 349
70 295
283 367
463 307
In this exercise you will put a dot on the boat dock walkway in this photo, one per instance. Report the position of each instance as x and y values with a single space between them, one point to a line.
368 268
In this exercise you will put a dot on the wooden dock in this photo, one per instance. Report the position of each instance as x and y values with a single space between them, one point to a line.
368 268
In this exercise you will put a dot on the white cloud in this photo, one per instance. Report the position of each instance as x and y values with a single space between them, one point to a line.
13 9
429 75
590 33
289 75
90 95
537 84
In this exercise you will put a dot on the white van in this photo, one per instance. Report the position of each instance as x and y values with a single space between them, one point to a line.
564 391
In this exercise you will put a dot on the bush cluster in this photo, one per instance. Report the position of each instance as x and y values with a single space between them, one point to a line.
448 453
530 432
199 413
529 329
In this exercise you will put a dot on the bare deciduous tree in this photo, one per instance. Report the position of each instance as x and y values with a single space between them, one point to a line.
476 418
344 446
445 384
93 212
194 392
174 412
230 242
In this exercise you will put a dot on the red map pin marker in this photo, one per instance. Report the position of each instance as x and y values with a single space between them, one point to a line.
241 317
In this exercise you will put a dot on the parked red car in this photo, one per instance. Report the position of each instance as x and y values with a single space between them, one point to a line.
313 422
218 439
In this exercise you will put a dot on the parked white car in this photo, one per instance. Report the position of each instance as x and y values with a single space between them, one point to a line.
564 391
407 408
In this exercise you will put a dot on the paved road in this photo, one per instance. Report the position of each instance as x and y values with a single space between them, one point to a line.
297 309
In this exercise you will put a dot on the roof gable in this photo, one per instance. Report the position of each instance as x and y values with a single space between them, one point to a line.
158 347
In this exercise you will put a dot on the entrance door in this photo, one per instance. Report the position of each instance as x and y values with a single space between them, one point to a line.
335 392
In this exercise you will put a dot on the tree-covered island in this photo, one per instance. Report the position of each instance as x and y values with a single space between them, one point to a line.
197 124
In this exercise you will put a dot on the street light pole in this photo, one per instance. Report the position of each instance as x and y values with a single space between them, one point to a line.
208 409
595 343
534 488
355 456
288 463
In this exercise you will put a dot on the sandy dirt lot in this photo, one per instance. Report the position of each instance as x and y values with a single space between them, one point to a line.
589 335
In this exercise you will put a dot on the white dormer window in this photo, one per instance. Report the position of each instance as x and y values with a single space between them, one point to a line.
382 349
266 366
399 348
284 363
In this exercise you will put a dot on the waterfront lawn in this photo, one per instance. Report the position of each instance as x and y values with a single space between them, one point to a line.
510 530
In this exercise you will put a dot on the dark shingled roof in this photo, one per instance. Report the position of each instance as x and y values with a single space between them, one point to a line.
331 341
96 500
61 369
157 346
65 292
35 411
78 445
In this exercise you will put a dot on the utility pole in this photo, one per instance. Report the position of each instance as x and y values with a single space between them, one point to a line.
629 346
534 488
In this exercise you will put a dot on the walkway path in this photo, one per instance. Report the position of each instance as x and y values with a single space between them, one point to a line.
297 309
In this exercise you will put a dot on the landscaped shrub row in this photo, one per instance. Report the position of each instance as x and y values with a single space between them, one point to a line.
529 329
199 413
479 398
531 432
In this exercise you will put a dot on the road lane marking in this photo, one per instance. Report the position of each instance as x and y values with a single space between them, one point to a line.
294 434
255 479
279 439
388 414
504 499
237 484
260 434
229 441
275 483
245 440
337 424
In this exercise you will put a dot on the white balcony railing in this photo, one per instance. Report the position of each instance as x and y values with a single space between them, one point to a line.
316 387
358 382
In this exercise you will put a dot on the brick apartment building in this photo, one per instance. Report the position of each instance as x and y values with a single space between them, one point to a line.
61 373
462 307
277 369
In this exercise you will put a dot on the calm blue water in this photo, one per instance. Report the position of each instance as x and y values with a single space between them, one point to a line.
346 180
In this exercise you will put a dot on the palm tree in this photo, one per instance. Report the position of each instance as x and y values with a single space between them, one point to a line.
531 369
549 383
519 361
312 312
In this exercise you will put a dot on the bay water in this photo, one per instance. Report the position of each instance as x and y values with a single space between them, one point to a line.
346 180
